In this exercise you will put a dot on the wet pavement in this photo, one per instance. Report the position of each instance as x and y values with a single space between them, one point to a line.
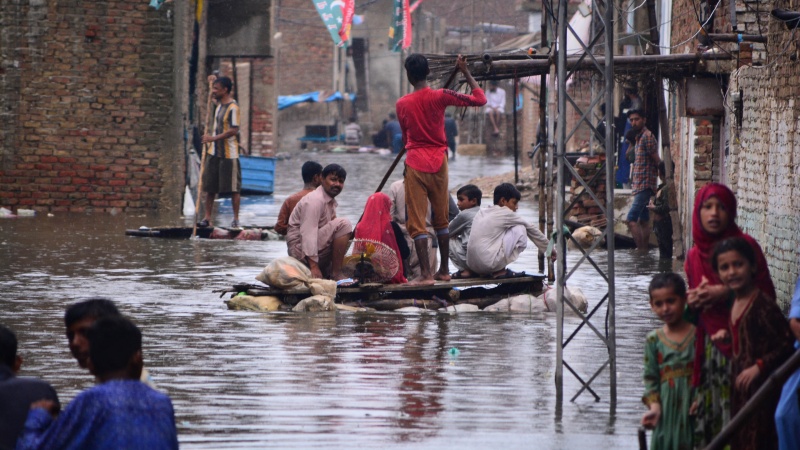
241 379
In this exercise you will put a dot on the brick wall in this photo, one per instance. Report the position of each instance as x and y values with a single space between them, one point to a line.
86 92
761 164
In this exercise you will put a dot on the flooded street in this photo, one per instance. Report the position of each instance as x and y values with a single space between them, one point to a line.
284 380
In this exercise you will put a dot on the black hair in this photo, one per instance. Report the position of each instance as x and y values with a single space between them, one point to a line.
630 135
506 191
472 192
94 307
392 116
336 170
225 82
353 119
662 169
636 111
417 67
310 170
734 244
667 280
8 347
112 343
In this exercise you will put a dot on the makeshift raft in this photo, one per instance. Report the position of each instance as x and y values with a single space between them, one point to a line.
264 233
481 292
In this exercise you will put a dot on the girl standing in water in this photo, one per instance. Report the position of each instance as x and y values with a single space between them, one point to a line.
709 307
760 339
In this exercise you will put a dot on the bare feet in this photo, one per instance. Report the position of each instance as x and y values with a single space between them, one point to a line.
422 282
442 276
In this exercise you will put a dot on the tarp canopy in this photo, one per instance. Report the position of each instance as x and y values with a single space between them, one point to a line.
285 101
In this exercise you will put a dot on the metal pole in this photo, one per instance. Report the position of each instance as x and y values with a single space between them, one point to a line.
516 145
561 136
541 137
610 146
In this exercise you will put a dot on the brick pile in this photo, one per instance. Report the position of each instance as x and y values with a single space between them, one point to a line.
86 99
586 210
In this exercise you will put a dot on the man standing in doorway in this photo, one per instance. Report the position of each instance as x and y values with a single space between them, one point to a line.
644 178
421 116
222 174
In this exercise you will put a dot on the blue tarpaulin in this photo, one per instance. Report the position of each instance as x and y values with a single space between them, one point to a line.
285 101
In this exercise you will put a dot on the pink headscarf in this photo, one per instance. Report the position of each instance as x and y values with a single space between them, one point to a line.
698 265
376 225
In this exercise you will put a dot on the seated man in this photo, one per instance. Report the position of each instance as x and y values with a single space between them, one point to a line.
469 203
316 236
79 317
16 394
495 105
312 177
352 133
120 412
499 235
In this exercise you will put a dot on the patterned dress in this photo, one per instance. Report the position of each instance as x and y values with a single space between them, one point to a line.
761 335
667 379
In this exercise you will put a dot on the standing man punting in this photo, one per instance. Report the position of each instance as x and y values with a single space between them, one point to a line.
222 173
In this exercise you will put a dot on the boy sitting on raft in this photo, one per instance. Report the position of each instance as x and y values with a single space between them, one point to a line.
469 203
499 235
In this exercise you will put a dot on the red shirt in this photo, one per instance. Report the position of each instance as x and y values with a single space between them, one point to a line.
282 224
421 116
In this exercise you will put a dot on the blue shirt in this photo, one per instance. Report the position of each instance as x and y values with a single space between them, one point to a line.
393 127
118 414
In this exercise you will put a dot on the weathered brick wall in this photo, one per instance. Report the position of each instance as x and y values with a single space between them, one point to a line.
86 91
763 158
306 49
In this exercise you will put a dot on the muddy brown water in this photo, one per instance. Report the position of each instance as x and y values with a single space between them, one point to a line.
240 379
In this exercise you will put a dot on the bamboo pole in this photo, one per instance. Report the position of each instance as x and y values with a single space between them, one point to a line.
211 80
540 66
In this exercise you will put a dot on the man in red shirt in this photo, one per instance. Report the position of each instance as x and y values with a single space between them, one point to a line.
421 116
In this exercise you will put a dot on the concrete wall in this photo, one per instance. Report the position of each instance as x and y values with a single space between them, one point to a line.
88 97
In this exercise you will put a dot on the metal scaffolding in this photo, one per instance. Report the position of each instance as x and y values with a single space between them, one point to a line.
598 52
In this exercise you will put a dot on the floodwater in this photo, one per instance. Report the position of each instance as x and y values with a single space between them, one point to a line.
241 379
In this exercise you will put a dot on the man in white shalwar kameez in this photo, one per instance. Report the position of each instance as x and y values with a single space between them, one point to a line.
499 235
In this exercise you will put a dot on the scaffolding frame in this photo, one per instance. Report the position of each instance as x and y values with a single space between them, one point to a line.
599 51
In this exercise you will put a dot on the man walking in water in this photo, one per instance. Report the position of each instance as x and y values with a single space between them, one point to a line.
421 116
644 178
222 174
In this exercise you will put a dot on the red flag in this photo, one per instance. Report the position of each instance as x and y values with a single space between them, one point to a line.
406 25
348 10
415 5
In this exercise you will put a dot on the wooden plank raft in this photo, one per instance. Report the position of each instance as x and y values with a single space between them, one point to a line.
202 232
384 297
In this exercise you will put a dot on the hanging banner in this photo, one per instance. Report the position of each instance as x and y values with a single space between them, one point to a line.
348 10
331 13
414 6
400 29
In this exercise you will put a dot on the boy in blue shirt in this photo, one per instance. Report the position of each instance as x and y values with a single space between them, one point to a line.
469 203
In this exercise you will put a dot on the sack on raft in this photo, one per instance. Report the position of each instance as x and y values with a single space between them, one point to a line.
315 303
251 303
285 273
250 234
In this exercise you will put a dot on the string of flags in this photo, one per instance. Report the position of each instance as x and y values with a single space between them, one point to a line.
339 16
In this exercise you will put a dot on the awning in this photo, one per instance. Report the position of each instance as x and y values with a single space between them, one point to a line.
285 101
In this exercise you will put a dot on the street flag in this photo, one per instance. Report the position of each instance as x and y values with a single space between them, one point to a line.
348 11
400 29
415 5
331 13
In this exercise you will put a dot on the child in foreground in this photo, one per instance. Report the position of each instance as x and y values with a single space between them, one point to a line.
668 361
760 337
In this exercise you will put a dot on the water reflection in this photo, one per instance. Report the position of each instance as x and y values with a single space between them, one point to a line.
243 379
